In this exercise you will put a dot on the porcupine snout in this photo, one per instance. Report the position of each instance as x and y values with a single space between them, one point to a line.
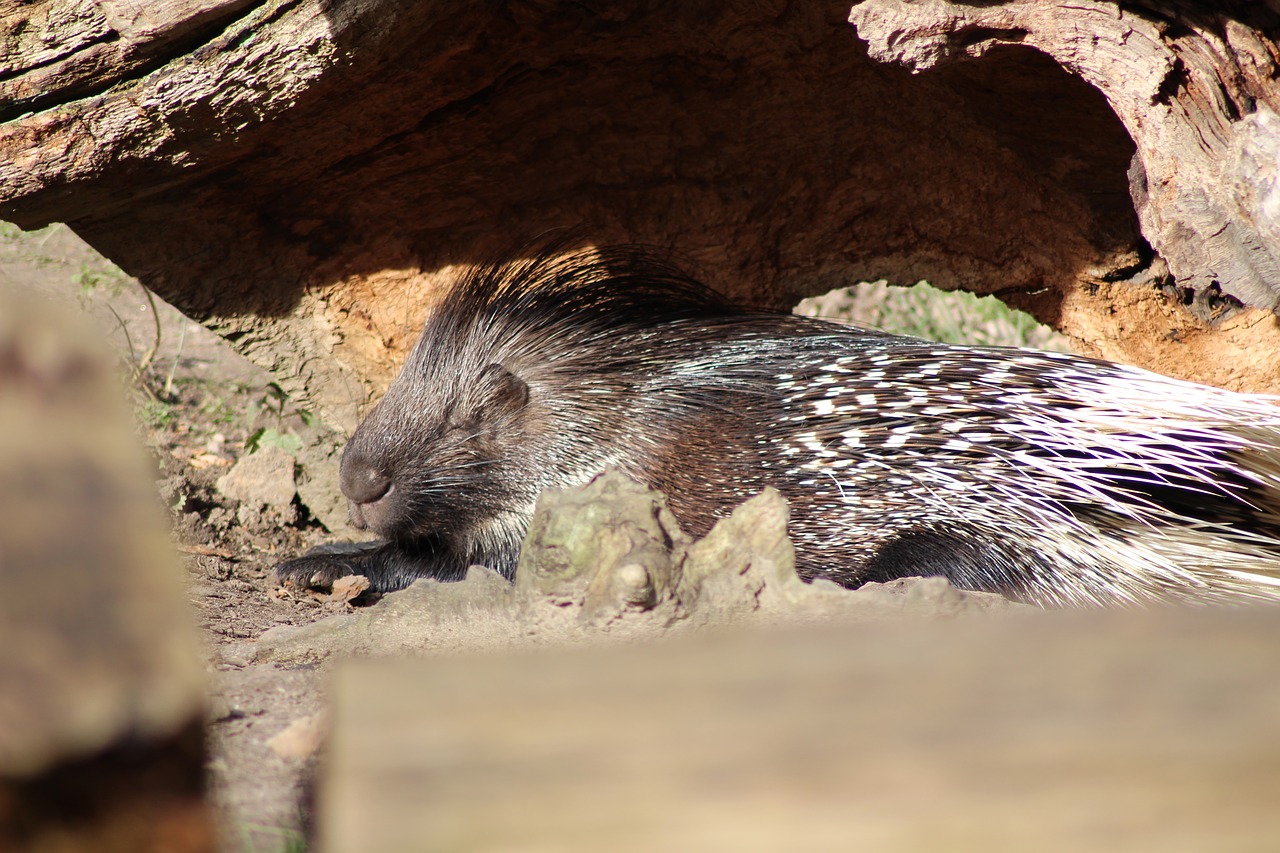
369 490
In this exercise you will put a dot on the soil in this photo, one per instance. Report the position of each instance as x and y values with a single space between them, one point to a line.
228 553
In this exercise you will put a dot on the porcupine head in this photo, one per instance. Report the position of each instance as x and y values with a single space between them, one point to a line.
470 432
434 461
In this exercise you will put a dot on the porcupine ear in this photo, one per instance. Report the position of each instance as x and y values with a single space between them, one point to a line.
498 393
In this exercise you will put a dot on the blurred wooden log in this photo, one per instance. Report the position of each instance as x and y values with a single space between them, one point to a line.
101 744
1073 732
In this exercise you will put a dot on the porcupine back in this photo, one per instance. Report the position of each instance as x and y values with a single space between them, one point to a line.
1052 478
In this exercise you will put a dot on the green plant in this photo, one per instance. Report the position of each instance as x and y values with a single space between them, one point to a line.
29 246
93 277
213 405
924 311
153 413
288 440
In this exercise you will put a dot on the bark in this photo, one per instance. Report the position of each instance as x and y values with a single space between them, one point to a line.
306 177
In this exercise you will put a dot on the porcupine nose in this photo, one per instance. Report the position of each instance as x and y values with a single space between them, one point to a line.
364 484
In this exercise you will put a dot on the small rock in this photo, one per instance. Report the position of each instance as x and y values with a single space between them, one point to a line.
301 738
235 654
261 478
318 486
217 444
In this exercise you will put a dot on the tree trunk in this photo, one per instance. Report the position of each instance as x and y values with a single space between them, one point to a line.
307 176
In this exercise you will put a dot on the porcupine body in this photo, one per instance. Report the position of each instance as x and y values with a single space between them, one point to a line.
1051 478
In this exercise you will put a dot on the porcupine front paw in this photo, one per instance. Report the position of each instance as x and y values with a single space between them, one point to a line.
321 566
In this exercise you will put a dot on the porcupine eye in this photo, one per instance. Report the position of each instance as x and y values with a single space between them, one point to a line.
496 396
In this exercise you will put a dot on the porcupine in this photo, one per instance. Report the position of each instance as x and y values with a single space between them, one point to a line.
1051 478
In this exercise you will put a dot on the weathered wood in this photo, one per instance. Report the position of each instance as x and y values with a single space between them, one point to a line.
1057 735
1194 85
306 176
57 51
101 745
